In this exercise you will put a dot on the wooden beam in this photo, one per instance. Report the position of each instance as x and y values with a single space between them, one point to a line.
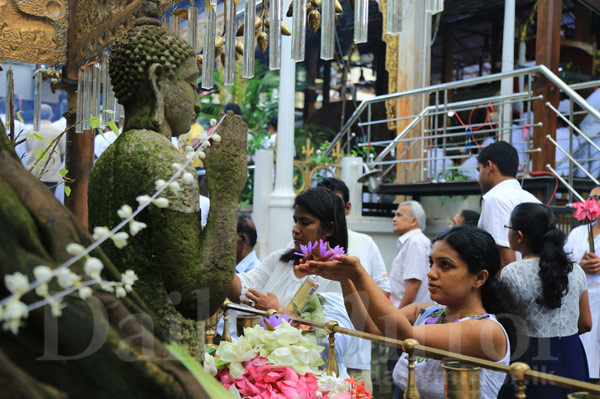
548 54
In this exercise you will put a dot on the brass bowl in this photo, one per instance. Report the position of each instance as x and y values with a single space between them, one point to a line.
244 320
461 380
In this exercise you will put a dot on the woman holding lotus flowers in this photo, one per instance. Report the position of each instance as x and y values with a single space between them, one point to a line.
319 218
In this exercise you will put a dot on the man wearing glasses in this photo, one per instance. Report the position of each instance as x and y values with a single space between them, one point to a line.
497 165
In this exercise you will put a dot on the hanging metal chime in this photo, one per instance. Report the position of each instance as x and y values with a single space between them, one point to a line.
327 29
37 98
434 6
208 54
249 39
193 25
275 15
393 20
230 32
87 96
79 115
95 100
299 30
174 24
361 21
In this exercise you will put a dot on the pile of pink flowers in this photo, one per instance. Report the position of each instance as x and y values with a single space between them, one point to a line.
320 251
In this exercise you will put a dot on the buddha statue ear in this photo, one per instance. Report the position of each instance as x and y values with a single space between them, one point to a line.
158 113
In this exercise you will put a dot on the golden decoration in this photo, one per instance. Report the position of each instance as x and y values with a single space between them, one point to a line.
332 366
411 391
461 380
262 40
308 167
314 21
517 373
226 333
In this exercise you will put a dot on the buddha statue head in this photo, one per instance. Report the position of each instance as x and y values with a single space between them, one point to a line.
154 75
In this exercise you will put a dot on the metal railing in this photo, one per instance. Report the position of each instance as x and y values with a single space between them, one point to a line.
518 372
415 142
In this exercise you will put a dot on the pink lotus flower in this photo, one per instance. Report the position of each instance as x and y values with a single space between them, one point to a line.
588 210
319 250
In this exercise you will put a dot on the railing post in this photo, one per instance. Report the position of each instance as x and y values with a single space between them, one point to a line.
332 366
411 391
517 373
226 332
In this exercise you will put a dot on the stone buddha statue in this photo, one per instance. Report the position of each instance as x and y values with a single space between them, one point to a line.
185 271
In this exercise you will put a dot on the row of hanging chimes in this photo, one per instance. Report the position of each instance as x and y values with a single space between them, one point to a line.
95 96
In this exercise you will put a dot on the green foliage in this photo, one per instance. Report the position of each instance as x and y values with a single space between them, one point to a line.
212 387
362 152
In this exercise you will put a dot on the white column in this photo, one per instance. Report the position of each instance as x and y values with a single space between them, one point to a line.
508 64
351 170
282 198
263 187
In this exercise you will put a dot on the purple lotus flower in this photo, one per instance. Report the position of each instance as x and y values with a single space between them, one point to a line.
270 323
319 250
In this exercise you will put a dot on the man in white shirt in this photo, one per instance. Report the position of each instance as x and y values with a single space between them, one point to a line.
245 258
358 356
408 276
497 165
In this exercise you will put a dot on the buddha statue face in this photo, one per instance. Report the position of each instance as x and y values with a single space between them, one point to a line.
154 76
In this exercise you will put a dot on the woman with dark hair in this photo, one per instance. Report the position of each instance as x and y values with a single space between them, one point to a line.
318 215
465 216
464 261
551 296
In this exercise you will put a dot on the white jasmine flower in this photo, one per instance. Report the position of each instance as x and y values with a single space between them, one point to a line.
188 148
56 306
143 200
107 287
188 178
92 267
159 184
135 227
213 122
201 154
16 283
176 166
128 279
161 202
13 313
85 292
75 249
102 231
125 211
174 187
333 385
216 138
120 239
120 292
189 155
66 278
43 274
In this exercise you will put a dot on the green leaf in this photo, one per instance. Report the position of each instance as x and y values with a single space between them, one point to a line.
37 136
113 126
94 122
109 111
63 171
38 153
67 191
19 117
212 387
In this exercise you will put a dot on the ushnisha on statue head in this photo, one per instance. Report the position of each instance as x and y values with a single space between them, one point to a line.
154 74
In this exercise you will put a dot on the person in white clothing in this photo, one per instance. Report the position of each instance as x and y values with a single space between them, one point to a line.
48 170
411 262
464 261
358 356
245 259
578 248
469 167
318 215
497 165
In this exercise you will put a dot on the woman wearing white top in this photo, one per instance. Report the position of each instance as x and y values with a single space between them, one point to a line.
464 261
318 215
551 295
578 247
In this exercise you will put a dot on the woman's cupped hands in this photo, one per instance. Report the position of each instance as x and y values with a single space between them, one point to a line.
342 267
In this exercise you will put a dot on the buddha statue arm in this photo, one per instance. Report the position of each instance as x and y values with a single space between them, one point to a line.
202 276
